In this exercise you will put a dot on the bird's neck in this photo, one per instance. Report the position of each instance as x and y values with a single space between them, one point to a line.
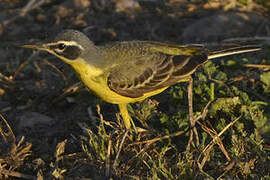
83 67
93 56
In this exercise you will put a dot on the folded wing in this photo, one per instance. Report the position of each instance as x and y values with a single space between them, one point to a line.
162 66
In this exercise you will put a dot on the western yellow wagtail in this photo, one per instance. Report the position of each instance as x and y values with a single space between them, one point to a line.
130 71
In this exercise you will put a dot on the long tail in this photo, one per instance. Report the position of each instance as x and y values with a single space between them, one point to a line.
234 50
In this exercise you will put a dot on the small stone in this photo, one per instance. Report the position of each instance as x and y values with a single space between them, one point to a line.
218 27
31 119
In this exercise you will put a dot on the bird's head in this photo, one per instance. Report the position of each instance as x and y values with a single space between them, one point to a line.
69 45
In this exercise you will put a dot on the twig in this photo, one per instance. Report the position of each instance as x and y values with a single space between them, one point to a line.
55 68
159 138
108 169
31 5
21 66
263 66
10 130
68 91
217 137
192 121
205 110
17 174
221 146
201 165
119 149
259 38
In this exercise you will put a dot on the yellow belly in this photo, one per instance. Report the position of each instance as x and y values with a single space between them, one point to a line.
100 88
96 82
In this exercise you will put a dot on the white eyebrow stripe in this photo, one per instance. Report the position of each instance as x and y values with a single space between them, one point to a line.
68 43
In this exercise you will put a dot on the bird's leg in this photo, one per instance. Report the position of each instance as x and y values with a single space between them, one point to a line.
125 116
193 130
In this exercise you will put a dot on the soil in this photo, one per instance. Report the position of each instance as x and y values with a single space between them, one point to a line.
34 97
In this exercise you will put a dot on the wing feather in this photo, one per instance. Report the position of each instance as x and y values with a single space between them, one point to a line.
153 72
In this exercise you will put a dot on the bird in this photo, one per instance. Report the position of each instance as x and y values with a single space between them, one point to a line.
126 72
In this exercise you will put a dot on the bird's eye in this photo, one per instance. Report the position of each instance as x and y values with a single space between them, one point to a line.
61 46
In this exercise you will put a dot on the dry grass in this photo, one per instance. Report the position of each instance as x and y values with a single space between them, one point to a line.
76 136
